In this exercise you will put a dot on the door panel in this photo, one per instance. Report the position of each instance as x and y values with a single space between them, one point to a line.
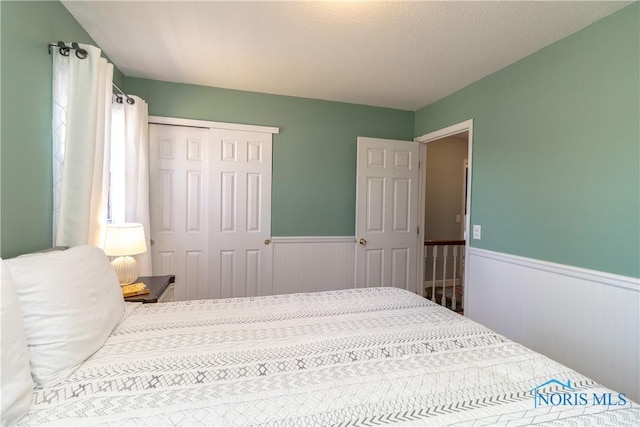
375 204
399 267
179 214
241 213
386 213
374 268
401 204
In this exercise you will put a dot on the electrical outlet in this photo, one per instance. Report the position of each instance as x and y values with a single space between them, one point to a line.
477 232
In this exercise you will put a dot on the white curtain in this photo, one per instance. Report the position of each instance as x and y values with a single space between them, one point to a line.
81 137
130 170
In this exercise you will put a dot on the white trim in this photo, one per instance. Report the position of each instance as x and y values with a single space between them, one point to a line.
174 121
466 126
445 132
610 279
313 239
422 192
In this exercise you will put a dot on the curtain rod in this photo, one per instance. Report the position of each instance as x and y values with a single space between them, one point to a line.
82 54
130 100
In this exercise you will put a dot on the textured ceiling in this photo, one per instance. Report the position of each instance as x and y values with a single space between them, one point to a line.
393 54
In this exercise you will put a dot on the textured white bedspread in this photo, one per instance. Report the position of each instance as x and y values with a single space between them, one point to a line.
353 357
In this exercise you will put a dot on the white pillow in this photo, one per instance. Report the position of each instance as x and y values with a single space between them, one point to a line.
17 385
71 301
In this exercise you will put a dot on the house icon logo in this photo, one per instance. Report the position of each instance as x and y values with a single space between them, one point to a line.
556 393
537 396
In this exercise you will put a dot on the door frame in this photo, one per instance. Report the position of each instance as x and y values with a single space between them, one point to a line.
465 126
174 121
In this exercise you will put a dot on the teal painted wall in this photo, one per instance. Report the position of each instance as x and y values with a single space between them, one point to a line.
314 156
25 114
556 144
556 149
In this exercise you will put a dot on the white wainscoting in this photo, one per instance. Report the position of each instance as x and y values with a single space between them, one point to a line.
585 319
310 264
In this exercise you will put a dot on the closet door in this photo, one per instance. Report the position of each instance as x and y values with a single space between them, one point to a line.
240 227
179 168
211 210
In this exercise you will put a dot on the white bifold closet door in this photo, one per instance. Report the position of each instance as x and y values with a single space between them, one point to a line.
211 210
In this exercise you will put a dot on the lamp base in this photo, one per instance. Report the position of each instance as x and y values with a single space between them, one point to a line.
126 268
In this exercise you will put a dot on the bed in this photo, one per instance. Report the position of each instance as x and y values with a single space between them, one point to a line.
354 357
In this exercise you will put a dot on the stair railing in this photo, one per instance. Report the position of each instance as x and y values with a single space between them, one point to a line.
437 254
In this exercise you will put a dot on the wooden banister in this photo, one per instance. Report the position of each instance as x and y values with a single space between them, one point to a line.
444 242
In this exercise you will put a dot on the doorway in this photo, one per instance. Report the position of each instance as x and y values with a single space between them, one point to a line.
445 201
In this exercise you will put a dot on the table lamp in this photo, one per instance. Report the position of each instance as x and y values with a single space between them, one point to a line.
123 241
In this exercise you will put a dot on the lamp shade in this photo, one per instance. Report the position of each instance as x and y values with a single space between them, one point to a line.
125 239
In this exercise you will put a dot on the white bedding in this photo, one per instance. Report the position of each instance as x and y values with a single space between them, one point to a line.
353 357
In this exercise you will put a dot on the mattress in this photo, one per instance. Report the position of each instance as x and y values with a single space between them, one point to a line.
354 357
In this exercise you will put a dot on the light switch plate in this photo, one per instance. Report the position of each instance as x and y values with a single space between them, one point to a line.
477 232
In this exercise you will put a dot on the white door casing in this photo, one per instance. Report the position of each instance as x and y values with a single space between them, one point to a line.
179 169
241 253
387 213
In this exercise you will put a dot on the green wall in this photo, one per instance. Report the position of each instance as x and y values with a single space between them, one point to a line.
314 155
556 142
556 149
25 165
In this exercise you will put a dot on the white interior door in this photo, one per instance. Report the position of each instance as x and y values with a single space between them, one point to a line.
386 213
179 169
241 254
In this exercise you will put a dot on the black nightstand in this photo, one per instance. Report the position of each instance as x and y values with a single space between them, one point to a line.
160 289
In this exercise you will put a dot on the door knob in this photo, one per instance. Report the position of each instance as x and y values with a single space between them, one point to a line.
363 241
267 241
153 242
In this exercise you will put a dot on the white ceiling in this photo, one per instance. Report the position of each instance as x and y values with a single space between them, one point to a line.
394 54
